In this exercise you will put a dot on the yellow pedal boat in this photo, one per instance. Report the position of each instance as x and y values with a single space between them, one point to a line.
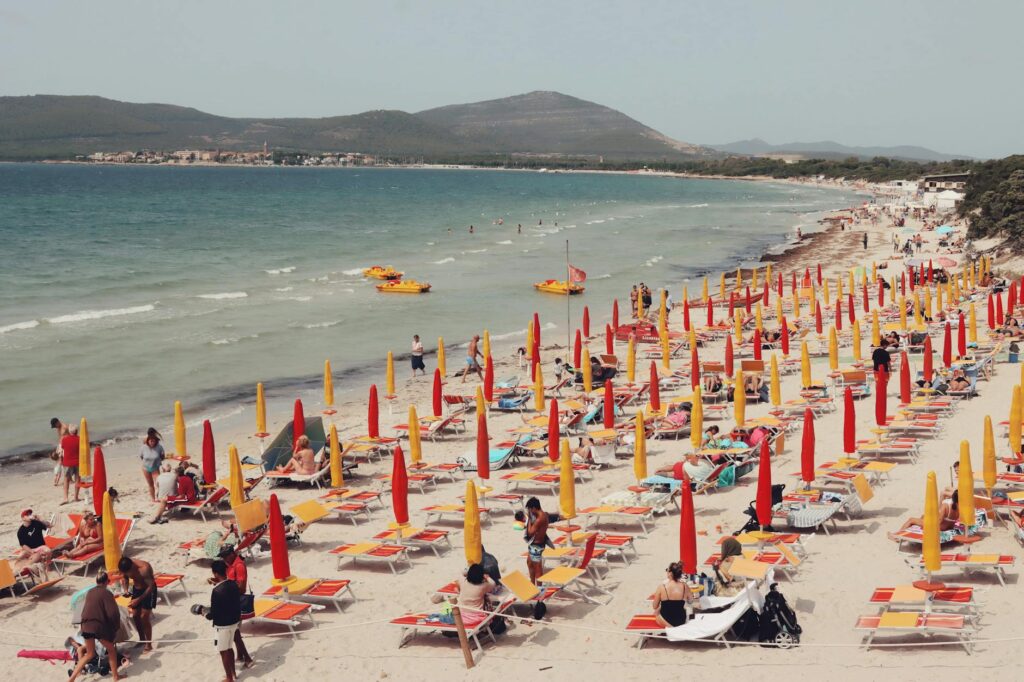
407 286
381 272
554 286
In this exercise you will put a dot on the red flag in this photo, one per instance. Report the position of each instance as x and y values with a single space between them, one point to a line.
576 275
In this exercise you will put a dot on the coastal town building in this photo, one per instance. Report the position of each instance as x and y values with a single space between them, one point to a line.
944 181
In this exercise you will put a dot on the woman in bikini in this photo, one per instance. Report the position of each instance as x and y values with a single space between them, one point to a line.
88 538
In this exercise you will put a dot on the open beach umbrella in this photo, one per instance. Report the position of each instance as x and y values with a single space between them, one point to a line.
1015 418
372 418
655 389
553 431
298 422
839 314
905 396
961 337
436 394
209 454
278 544
488 379
389 377
686 315
99 480
441 364
728 356
538 388
988 457
805 366
337 472
763 505
609 404
930 547
586 320
739 400
329 385
483 447
471 526
775 388
849 423
697 419
236 483
965 485
631 360
687 530
399 488
615 314
588 382
881 386
179 431
261 412
640 448
577 349
833 350
947 347
785 337
694 367
711 312
415 444
807 443
609 340
111 547
927 360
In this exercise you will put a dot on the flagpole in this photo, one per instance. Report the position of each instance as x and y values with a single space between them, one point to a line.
568 301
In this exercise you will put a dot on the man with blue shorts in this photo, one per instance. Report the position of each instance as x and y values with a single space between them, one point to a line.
537 537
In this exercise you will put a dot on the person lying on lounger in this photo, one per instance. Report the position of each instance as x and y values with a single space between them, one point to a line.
693 467
949 514
88 539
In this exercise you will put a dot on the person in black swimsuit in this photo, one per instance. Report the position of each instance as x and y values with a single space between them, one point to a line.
671 597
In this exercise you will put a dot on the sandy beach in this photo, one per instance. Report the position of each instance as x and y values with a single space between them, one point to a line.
829 592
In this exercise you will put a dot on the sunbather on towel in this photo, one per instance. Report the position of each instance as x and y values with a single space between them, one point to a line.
949 514
302 461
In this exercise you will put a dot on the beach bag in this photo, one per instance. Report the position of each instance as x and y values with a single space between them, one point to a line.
727 478
540 609
747 626
499 625
247 603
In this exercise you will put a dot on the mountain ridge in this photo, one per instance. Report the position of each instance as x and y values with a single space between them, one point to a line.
830 149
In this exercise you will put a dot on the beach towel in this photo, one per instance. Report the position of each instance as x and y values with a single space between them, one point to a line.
727 478
61 655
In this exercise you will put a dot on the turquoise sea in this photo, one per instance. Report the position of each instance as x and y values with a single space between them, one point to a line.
123 289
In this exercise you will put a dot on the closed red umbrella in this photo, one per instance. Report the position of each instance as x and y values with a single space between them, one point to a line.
778 289
1011 299
785 336
687 530
711 311
851 313
748 299
792 281
728 356
807 447
655 389
609 340
298 422
278 542
732 304
755 339
609 404
903 284
615 314
209 457
910 275
536 330
991 313
694 368
399 487
372 421
927 360
905 396
489 378
864 295
534 358
931 272
436 402
999 309
947 347
881 293
817 318
99 479
553 444
849 423
765 293
839 314
686 315
764 486
586 320
819 274
483 446
961 337
577 350
881 387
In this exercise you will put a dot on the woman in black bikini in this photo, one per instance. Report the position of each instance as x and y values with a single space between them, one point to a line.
671 597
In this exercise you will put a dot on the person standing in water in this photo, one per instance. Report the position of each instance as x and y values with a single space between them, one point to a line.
471 229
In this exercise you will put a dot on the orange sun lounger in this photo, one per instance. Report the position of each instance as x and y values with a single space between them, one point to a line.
434 539
945 599
439 512
289 614
313 590
641 515
912 622
375 552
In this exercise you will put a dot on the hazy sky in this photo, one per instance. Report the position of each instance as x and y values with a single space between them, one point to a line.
943 74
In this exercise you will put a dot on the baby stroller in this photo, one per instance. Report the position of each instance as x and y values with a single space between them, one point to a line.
752 523
778 621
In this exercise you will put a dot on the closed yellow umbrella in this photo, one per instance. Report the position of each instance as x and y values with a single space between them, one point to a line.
938 296
778 307
852 283
1015 417
697 419
805 366
930 551
640 306
236 484
839 286
471 526
739 279
179 431
538 389
828 296
775 387
833 350
966 485
876 332
337 473
856 341
721 286
487 344
972 325
753 281
874 271
758 319
587 376
692 337
481 404
529 335
903 313
389 376
415 447
928 303
663 311
739 327
686 294
441 366
918 317
631 360
566 483
768 275
739 400
111 547
666 352
84 466
796 305
328 389
640 448
956 287
892 289
704 290
261 412
988 457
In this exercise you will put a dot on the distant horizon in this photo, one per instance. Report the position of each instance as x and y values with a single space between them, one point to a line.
870 74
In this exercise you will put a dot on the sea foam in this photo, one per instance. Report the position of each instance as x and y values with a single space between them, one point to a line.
444 260
18 326
281 271
84 315
224 295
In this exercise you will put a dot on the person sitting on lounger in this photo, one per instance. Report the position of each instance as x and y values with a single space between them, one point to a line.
671 597
710 439
583 453
755 384
184 491
473 589
88 538
727 585
949 514
959 382
712 383
302 459
32 551
692 467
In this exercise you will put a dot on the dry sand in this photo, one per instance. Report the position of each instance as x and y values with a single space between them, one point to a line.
577 640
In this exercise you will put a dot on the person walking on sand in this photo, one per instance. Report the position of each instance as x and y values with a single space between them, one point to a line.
69 461
101 620
152 456
225 613
471 364
62 430
417 356
139 574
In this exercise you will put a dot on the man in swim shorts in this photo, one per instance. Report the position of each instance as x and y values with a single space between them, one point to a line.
471 364
537 533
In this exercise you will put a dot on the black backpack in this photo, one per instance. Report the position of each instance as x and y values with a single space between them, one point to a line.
778 625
